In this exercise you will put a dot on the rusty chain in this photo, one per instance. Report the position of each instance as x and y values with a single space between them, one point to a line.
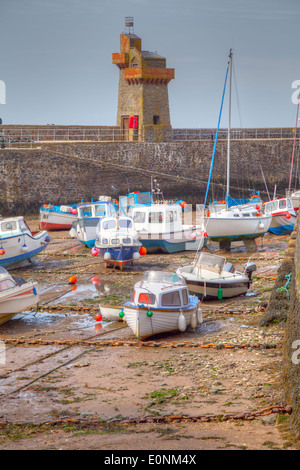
141 344
161 419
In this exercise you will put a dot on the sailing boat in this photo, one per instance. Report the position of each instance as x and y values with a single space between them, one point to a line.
236 223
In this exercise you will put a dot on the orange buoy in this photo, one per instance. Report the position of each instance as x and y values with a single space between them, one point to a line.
73 280
142 251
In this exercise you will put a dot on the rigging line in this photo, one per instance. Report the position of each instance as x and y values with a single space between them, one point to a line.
237 95
216 138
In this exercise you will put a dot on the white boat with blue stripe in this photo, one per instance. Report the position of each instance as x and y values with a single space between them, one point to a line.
19 246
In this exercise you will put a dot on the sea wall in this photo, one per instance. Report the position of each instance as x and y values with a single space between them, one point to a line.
291 366
61 173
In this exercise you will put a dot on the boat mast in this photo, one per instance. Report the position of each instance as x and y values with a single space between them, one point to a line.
229 125
294 145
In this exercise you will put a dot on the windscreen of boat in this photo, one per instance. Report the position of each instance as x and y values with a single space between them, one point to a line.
163 278
108 224
6 284
144 198
271 206
100 210
125 223
210 261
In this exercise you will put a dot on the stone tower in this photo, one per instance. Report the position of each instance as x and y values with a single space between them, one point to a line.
143 101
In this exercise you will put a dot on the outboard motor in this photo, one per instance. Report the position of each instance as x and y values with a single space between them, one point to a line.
250 267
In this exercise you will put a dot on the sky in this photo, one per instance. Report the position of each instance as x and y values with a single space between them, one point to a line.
56 59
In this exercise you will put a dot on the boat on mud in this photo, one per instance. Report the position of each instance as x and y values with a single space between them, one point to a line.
54 218
19 246
118 241
161 303
283 215
89 215
211 278
16 295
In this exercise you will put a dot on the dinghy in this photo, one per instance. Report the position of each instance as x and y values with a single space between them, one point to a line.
16 295
210 277
161 303
117 241
19 246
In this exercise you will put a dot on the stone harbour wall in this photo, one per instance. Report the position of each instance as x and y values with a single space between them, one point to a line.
62 173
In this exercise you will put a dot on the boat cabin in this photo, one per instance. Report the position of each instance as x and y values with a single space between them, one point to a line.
157 218
13 226
116 231
279 205
161 290
134 199
95 209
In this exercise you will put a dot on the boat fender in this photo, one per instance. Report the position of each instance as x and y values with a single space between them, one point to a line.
193 321
288 216
72 232
136 255
107 255
261 226
2 251
199 315
24 248
34 291
181 322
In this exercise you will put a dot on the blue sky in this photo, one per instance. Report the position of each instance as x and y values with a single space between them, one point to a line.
56 59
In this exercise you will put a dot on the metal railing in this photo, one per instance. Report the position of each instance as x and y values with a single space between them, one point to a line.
31 137
26 136
209 134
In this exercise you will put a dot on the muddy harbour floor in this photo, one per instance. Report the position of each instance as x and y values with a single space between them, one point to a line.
71 382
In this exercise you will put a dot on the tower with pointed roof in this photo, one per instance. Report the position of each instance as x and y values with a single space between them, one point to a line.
143 101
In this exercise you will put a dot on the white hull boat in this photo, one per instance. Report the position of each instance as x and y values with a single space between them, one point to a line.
283 215
237 224
160 304
160 229
211 278
89 215
19 246
54 218
16 295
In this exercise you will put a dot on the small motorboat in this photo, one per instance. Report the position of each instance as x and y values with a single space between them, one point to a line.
210 277
161 303
283 215
160 229
16 295
54 218
118 241
19 246
89 215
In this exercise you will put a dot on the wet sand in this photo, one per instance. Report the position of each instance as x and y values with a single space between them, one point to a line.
72 382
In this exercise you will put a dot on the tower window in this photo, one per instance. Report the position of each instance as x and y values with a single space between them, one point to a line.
155 120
